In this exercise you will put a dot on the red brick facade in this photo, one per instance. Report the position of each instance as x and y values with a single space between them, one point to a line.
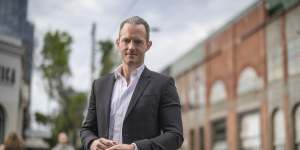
240 45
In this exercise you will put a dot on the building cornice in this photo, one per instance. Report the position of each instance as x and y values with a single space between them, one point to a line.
11 45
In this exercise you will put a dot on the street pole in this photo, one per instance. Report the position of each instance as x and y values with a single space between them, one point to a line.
93 51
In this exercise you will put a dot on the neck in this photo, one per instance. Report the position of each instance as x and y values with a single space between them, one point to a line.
127 70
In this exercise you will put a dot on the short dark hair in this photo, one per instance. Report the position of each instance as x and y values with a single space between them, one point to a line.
137 20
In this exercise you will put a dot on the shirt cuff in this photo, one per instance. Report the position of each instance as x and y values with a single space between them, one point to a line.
135 147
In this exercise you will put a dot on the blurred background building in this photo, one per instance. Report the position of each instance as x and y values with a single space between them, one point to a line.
16 52
239 88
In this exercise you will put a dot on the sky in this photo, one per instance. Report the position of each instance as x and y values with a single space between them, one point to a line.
181 23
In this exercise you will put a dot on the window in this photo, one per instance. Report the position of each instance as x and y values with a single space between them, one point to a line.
278 130
218 92
201 89
192 139
193 94
202 140
294 57
181 96
180 90
219 135
297 127
250 132
274 51
192 98
182 99
2 127
201 93
249 81
293 41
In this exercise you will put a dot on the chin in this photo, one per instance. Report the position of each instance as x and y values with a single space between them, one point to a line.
129 63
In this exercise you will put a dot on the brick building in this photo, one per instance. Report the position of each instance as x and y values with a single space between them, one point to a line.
239 87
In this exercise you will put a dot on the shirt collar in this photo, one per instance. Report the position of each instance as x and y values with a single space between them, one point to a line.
137 72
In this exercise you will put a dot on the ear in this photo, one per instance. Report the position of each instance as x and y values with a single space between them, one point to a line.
149 44
117 42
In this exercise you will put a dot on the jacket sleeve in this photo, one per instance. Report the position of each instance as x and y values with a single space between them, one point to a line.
170 122
89 131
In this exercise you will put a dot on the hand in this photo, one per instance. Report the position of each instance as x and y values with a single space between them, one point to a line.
102 144
122 147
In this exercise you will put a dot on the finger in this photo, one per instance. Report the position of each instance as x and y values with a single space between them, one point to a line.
107 142
115 143
112 148
95 145
101 146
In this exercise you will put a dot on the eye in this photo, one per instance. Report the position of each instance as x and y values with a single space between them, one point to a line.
125 41
138 42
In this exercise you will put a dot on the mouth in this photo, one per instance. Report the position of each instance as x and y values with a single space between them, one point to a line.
130 54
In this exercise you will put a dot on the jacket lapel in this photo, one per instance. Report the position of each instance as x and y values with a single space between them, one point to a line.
139 89
106 93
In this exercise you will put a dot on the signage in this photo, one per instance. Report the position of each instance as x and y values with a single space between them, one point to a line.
7 75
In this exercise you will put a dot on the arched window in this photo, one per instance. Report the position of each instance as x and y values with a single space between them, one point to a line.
218 92
250 132
249 81
297 127
2 124
278 130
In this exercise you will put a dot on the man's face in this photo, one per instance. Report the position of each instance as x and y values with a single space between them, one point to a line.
62 138
133 44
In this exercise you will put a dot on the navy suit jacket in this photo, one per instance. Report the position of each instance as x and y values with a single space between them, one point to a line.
152 121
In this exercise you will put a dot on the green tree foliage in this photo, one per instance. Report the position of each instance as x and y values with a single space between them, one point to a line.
108 55
55 64
69 119
55 70
41 118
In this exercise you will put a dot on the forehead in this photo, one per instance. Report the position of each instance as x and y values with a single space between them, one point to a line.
133 30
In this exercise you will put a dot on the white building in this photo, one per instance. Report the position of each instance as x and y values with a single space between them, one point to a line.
13 93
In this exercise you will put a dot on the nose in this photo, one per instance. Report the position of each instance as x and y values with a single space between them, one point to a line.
131 45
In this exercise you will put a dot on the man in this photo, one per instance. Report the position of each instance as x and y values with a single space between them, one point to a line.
63 142
133 108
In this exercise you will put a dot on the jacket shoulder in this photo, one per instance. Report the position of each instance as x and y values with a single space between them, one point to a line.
160 76
103 78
